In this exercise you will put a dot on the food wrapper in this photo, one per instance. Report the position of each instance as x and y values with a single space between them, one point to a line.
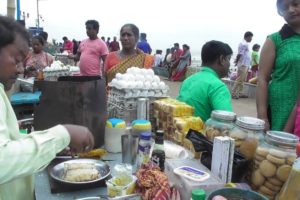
184 124
173 107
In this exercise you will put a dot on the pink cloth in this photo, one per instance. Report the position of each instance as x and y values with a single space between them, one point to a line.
68 45
297 121
90 58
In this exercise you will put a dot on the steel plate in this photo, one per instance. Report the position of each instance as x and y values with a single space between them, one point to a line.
57 171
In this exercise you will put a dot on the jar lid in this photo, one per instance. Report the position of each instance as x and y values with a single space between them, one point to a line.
145 135
224 115
115 123
250 123
282 138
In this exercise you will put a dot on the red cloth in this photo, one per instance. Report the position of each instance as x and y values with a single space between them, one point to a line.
68 45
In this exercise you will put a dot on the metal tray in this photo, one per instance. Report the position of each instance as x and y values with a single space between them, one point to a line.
57 171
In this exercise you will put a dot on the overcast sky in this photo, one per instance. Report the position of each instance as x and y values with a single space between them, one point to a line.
165 21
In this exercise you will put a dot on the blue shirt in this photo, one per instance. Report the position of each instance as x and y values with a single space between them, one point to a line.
144 46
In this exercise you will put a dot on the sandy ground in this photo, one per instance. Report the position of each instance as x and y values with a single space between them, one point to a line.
243 107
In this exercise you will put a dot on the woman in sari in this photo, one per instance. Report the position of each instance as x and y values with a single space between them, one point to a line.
128 56
184 61
38 59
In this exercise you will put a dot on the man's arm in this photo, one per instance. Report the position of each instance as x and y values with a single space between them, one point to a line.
30 154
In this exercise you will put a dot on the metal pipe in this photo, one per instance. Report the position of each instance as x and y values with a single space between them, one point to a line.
18 10
38 15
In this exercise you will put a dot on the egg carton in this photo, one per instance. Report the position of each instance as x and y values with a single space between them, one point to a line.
141 92
118 106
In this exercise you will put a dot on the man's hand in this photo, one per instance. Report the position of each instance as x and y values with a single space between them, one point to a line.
82 139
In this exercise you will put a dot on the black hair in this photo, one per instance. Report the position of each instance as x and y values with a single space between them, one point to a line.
64 38
158 51
143 35
186 46
213 49
9 30
44 35
134 29
94 23
255 46
279 6
176 44
40 39
248 34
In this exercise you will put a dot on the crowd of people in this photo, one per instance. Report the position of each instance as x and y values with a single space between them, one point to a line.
278 70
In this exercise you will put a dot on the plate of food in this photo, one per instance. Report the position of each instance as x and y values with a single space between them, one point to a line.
80 171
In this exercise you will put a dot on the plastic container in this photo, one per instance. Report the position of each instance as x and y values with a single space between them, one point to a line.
235 193
114 189
198 194
220 124
273 162
247 133
114 129
144 148
139 126
184 185
291 189
191 173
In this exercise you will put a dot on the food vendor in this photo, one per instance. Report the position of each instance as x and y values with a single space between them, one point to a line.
23 155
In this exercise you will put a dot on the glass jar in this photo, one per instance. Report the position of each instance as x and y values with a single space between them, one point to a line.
291 189
273 162
247 134
220 124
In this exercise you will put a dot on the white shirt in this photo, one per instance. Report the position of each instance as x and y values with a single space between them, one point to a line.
23 155
245 59
158 59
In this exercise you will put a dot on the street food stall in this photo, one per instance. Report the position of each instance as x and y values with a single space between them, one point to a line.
150 146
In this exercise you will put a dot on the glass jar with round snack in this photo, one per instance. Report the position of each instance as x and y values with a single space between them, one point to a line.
273 162
247 134
219 124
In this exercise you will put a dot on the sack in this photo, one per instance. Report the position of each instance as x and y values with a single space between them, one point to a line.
77 100
203 145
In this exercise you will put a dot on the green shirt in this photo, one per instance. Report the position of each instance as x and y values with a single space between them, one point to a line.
206 92
255 58
23 155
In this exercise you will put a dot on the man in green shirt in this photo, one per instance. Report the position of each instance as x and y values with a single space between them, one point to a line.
23 155
205 90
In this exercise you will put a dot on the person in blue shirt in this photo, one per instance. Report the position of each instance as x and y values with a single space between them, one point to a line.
143 44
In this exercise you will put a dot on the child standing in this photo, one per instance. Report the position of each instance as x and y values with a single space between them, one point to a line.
254 60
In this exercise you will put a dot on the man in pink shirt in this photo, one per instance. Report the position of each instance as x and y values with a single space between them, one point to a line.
91 51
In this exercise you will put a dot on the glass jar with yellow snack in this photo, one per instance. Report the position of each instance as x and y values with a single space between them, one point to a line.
220 124
247 134
273 162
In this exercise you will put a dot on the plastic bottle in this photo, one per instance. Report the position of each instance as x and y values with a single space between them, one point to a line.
291 189
144 149
158 154
198 194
